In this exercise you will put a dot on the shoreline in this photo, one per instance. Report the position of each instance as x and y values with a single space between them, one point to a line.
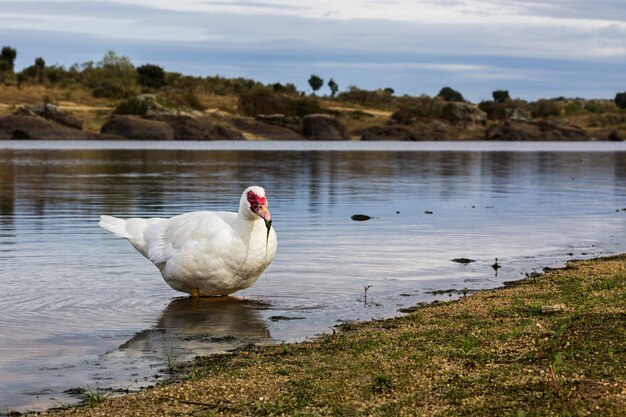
543 345
276 145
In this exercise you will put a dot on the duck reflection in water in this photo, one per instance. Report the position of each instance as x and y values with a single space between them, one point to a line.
193 326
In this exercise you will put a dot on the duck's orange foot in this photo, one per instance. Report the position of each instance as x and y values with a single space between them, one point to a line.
195 292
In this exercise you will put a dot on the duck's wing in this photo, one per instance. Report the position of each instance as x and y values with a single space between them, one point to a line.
181 237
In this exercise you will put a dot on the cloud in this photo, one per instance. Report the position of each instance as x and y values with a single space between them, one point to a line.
477 43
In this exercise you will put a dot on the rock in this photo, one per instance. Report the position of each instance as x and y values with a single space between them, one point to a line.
551 309
256 130
323 127
542 130
50 112
190 127
393 132
459 112
424 130
517 113
226 132
185 127
463 260
34 127
294 123
134 127
615 136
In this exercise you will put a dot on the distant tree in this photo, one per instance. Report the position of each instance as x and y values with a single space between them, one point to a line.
450 94
315 82
150 75
40 66
389 91
113 77
620 100
333 87
501 96
7 58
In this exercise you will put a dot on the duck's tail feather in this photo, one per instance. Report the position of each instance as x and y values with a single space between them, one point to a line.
115 226
131 229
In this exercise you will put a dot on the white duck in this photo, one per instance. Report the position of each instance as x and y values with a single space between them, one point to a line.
206 253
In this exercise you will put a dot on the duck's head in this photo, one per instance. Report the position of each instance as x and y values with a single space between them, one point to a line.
254 204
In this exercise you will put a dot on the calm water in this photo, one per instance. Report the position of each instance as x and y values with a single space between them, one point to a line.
81 308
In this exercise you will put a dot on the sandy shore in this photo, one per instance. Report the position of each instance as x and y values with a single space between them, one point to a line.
547 345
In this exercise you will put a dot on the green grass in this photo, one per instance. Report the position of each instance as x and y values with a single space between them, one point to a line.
457 358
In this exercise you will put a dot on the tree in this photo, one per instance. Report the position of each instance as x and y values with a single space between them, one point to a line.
151 76
40 66
333 87
450 94
7 58
620 100
315 82
501 96
113 77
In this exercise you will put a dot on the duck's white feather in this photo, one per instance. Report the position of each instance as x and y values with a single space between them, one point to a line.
216 253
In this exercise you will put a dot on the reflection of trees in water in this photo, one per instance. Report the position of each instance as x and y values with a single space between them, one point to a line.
201 325
165 182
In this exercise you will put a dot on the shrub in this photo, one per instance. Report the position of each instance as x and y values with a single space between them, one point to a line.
450 94
546 108
411 109
494 110
149 75
376 98
501 96
264 100
132 106
620 100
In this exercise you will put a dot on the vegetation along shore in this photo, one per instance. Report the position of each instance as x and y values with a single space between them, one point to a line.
549 345
114 99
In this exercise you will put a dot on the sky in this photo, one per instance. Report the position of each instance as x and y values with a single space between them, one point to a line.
532 48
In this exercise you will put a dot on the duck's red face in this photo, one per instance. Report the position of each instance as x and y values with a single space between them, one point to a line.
258 205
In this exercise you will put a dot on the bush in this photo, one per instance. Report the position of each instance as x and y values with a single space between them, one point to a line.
149 75
376 98
450 94
620 100
494 110
546 108
264 100
501 96
411 109
132 106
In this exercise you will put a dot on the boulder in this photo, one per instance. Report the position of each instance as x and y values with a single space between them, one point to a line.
34 127
542 130
400 133
290 122
323 127
134 127
459 112
255 130
615 136
50 112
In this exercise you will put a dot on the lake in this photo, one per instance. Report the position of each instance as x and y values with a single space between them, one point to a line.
82 309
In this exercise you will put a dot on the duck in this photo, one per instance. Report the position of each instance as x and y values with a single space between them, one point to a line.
205 253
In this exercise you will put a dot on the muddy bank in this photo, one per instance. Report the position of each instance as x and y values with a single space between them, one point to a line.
496 352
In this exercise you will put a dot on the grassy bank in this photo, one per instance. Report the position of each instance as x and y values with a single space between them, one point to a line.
548 345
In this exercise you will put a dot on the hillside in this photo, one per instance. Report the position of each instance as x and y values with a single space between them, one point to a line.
115 100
